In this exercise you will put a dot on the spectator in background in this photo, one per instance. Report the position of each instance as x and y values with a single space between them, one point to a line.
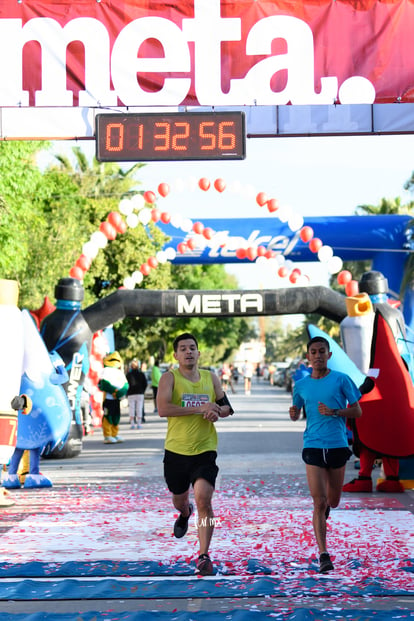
247 374
137 383
155 380
272 370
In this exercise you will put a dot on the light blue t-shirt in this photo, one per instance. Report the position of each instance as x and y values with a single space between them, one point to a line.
336 390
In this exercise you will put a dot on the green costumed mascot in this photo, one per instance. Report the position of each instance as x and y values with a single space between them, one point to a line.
115 385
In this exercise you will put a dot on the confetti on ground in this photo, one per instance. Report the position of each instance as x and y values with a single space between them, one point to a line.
263 529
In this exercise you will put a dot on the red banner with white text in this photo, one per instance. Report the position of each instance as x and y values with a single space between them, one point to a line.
205 52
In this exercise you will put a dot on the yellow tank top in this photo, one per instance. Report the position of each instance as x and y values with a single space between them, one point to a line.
191 435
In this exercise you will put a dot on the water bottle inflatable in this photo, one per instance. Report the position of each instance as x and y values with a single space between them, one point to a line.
339 361
356 330
48 423
11 363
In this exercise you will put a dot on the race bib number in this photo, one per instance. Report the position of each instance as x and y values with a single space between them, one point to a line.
193 401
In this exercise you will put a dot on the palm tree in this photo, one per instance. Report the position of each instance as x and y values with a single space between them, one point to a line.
394 206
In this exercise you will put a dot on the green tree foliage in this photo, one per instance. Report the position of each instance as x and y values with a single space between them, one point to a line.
20 194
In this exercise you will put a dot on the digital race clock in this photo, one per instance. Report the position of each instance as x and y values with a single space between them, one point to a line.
170 136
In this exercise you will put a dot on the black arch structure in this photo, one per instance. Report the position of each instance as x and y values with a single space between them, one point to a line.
218 303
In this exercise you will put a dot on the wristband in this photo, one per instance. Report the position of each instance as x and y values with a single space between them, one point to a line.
335 413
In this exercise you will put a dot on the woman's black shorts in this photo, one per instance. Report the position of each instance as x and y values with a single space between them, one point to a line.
326 458
181 471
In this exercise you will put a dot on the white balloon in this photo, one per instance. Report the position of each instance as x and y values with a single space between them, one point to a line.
144 216
161 256
126 206
129 283
137 277
192 183
325 253
186 225
335 265
176 220
295 222
283 214
261 262
132 220
280 258
289 264
170 253
138 202
90 250
200 241
99 239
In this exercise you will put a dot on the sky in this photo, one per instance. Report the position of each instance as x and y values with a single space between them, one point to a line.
313 176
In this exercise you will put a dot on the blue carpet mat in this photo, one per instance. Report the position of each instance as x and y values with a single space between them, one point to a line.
302 614
91 569
254 586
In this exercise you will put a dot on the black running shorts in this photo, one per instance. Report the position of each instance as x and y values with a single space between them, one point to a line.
181 471
326 458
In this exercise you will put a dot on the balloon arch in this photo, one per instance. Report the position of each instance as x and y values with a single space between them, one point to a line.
142 209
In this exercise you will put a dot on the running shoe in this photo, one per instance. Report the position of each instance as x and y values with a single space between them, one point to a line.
325 563
181 524
204 565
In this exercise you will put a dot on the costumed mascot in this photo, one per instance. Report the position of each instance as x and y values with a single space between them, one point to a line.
115 386
47 424
376 347
386 428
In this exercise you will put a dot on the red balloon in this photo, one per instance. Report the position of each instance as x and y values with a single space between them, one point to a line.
351 288
208 233
315 244
149 197
152 262
261 199
191 243
122 227
272 205
261 251
241 253
155 215
294 277
76 272
165 217
93 376
145 269
115 219
182 247
220 185
204 184
198 227
251 253
270 254
83 262
306 233
283 271
344 277
108 230
163 189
